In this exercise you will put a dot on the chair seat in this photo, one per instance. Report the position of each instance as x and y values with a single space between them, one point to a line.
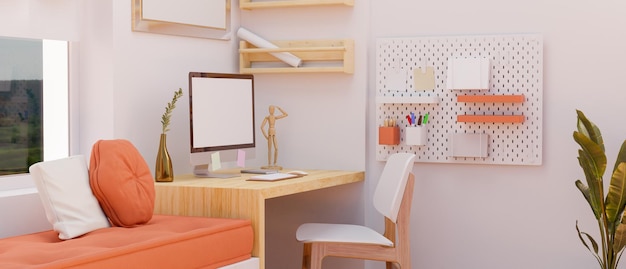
392 198
344 233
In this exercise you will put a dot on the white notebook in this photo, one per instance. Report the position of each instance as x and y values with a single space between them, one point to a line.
272 177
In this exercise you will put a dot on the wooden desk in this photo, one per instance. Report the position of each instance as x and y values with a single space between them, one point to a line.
238 198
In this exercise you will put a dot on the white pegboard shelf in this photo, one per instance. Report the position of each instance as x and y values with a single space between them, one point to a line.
508 114
407 100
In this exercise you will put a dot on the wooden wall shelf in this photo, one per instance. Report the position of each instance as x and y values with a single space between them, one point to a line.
249 4
317 56
490 98
491 118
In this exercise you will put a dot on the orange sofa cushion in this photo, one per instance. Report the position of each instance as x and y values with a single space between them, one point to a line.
122 182
164 242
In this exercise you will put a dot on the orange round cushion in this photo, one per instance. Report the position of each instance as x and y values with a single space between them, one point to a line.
122 182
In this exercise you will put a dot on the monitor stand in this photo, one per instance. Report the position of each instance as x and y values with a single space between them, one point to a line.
204 171
258 171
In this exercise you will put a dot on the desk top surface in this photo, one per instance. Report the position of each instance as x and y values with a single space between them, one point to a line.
316 179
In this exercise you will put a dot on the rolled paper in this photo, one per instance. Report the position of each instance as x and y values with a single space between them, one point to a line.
258 41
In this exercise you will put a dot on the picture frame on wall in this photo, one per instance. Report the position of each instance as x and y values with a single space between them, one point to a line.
191 18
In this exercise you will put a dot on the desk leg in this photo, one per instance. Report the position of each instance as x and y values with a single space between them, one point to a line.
217 203
259 242
244 204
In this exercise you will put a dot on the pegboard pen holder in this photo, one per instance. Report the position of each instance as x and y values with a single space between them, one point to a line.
388 135
416 135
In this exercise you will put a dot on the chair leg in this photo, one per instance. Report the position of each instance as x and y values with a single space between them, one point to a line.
318 252
306 256
404 261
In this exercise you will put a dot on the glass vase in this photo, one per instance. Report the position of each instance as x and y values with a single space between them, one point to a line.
163 171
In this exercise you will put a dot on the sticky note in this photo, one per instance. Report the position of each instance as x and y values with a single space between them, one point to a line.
241 158
396 80
424 78
216 163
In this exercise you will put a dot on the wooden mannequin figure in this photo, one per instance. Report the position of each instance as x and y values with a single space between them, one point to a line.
270 135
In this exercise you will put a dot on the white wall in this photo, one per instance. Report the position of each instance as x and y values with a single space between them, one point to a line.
39 19
22 212
482 216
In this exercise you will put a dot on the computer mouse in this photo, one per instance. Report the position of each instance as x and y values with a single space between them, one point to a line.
298 173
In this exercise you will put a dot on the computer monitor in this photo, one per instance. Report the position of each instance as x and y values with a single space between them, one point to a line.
221 114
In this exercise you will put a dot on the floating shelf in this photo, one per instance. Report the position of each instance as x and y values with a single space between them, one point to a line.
491 118
317 56
408 100
249 4
490 98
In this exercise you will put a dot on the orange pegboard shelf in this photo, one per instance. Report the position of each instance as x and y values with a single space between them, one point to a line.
491 118
490 98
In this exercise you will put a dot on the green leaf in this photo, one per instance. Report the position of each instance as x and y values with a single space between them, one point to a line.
586 193
593 244
616 197
619 242
583 189
621 157
589 129
594 183
593 151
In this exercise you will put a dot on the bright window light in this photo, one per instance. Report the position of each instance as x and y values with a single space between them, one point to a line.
55 100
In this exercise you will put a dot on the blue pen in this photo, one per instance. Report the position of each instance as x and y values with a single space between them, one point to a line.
413 118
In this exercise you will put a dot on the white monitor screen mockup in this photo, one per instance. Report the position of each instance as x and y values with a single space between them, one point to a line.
221 114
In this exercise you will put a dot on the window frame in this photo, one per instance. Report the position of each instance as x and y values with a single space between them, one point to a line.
56 111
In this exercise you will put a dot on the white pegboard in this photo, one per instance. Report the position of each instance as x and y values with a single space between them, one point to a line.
516 68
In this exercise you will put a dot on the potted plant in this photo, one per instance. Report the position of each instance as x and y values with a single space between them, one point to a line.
608 210
163 171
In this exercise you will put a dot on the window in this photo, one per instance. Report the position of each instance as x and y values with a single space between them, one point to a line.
33 102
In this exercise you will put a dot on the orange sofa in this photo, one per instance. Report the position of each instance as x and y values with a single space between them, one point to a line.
102 217
164 242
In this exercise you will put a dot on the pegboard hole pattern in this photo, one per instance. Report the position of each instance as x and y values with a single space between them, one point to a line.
516 67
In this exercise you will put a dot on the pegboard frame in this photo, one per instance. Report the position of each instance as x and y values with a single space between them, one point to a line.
516 68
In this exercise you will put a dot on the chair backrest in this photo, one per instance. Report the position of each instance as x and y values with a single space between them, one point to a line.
391 185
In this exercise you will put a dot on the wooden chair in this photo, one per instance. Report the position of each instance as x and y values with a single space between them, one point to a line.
392 198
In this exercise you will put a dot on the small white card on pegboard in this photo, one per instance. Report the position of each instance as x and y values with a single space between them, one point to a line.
469 145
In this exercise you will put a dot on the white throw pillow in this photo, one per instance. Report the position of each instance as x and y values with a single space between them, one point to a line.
64 189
